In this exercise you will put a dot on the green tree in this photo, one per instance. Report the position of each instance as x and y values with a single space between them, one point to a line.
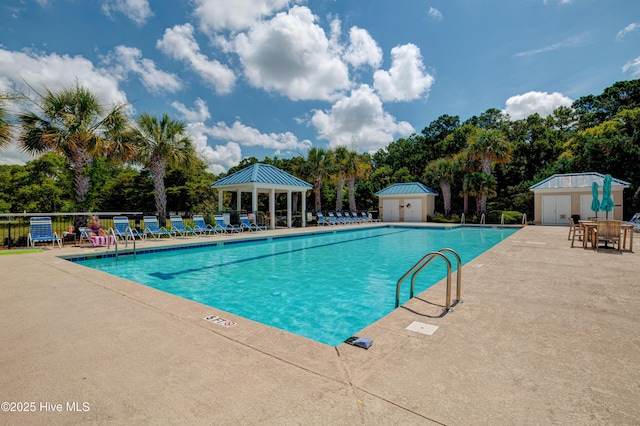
5 129
491 146
358 167
74 123
442 172
341 157
314 169
160 143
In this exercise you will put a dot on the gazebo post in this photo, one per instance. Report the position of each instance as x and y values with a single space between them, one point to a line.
220 198
303 195
289 224
239 200
254 202
272 208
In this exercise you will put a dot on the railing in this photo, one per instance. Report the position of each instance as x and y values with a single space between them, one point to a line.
524 218
423 263
462 219
502 219
482 219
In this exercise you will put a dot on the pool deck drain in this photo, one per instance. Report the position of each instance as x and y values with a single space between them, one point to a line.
548 334
420 327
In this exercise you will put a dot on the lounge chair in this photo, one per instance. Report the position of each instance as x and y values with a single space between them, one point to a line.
355 218
201 226
124 231
333 219
246 224
153 228
178 226
365 217
371 219
322 220
575 231
223 226
341 218
607 231
96 240
41 231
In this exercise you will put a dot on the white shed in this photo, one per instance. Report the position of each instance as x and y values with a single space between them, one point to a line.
406 202
561 196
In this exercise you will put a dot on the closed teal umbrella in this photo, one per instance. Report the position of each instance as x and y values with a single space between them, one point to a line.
607 202
595 203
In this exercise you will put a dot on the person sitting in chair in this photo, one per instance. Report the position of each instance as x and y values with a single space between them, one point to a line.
95 228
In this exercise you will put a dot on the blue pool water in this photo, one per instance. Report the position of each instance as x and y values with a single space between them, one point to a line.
326 286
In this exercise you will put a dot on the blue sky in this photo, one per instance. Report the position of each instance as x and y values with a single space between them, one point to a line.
275 77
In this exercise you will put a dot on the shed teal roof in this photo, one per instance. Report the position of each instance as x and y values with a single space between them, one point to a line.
406 188
262 173
576 180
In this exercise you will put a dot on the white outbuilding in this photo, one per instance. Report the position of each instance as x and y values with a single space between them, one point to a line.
561 196
406 202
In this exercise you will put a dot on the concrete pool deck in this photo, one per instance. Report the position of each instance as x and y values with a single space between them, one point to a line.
547 334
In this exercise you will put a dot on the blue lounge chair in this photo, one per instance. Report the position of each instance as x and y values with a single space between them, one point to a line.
353 216
178 226
365 217
223 226
152 227
322 220
201 226
333 219
246 224
41 231
124 231
341 218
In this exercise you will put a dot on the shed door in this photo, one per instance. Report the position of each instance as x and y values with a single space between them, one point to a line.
556 209
412 210
390 210
585 207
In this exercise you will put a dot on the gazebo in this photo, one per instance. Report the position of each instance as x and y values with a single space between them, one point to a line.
264 179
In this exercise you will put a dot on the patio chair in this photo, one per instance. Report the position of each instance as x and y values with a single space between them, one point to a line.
178 226
371 219
153 228
41 231
365 217
341 218
355 217
333 219
322 220
246 224
223 226
607 231
96 240
201 226
575 231
124 231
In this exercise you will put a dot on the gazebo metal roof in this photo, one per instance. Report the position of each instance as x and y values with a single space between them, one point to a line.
406 188
260 173
576 180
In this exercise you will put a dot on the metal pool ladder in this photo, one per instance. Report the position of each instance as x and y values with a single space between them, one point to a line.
423 263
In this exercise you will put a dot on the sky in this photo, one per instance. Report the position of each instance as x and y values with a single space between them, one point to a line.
272 78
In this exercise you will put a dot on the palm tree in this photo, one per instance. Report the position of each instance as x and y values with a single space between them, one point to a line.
340 155
161 143
5 130
465 163
442 171
358 167
491 146
482 186
314 169
74 123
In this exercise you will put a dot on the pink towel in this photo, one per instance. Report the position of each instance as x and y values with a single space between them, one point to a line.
102 240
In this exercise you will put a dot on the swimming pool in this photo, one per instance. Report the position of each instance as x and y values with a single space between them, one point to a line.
326 286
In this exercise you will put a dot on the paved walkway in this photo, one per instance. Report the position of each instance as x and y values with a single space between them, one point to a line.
547 335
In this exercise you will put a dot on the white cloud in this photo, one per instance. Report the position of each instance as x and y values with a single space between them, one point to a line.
235 15
626 30
522 106
633 67
363 49
179 43
406 80
129 59
569 42
435 13
136 10
359 120
53 72
221 157
14 155
290 54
